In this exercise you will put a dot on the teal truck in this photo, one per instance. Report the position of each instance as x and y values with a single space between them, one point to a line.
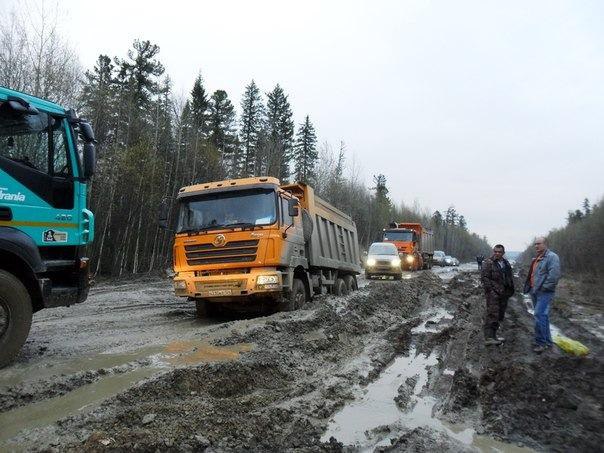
47 156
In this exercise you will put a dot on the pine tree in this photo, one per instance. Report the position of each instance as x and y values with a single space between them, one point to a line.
139 80
381 213
280 133
586 207
306 152
98 99
223 129
437 219
461 222
574 217
251 124
199 108
451 216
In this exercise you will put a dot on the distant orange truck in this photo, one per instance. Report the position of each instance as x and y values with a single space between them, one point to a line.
415 244
253 242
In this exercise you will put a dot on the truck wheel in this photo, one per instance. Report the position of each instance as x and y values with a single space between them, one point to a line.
340 288
296 297
15 316
351 283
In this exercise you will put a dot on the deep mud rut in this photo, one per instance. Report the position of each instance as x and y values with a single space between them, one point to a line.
397 366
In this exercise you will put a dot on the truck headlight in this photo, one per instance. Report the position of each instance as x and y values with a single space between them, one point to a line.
395 262
410 258
370 262
267 279
180 284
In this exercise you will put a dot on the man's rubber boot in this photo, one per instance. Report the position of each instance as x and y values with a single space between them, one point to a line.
492 342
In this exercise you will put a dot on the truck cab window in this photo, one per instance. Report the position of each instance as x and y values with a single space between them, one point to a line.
31 140
286 219
61 163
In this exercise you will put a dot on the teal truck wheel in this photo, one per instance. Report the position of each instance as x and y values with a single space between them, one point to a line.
15 316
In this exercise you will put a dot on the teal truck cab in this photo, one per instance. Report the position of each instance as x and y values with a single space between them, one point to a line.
44 220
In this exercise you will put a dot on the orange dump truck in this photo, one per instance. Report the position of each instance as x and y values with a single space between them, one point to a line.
254 243
415 244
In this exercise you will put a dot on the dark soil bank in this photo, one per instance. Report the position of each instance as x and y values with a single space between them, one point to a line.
550 402
302 368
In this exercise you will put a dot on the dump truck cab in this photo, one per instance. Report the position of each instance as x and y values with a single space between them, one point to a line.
235 238
44 218
248 242
414 243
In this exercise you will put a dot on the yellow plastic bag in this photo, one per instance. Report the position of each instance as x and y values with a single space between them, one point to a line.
571 346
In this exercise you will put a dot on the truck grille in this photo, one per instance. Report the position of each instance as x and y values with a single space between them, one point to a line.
231 252
383 263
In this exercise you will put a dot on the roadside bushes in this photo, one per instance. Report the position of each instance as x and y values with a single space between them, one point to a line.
579 244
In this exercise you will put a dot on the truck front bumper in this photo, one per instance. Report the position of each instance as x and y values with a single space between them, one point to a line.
258 283
66 287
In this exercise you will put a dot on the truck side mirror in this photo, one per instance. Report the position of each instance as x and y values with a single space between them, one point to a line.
293 207
89 160
164 211
87 132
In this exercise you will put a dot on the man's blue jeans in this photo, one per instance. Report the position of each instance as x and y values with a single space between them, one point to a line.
542 301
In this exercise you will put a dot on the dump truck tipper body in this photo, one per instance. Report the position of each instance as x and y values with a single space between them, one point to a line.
414 243
253 241
45 223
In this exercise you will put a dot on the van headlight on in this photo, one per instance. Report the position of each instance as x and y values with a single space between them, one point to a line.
395 262
370 262
410 258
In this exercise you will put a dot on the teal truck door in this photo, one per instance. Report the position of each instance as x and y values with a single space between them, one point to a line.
37 194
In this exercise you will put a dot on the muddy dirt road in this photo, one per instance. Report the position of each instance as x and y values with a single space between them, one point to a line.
396 366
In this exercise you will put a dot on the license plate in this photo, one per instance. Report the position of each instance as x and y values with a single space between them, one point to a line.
220 292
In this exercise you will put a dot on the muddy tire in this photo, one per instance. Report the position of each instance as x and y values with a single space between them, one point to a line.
398 277
351 283
296 298
15 316
340 288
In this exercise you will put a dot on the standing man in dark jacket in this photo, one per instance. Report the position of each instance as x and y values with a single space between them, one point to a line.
541 282
479 260
498 283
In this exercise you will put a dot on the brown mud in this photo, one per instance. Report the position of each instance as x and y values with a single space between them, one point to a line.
397 366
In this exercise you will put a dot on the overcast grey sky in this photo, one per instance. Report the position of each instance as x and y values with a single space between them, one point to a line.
495 107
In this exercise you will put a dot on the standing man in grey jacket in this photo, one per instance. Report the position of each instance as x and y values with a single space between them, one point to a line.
541 282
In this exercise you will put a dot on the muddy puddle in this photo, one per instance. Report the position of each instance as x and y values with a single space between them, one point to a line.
144 364
187 353
376 407
19 374
398 401
78 401
432 320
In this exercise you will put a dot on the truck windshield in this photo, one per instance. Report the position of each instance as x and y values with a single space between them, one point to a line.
36 141
241 208
406 236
